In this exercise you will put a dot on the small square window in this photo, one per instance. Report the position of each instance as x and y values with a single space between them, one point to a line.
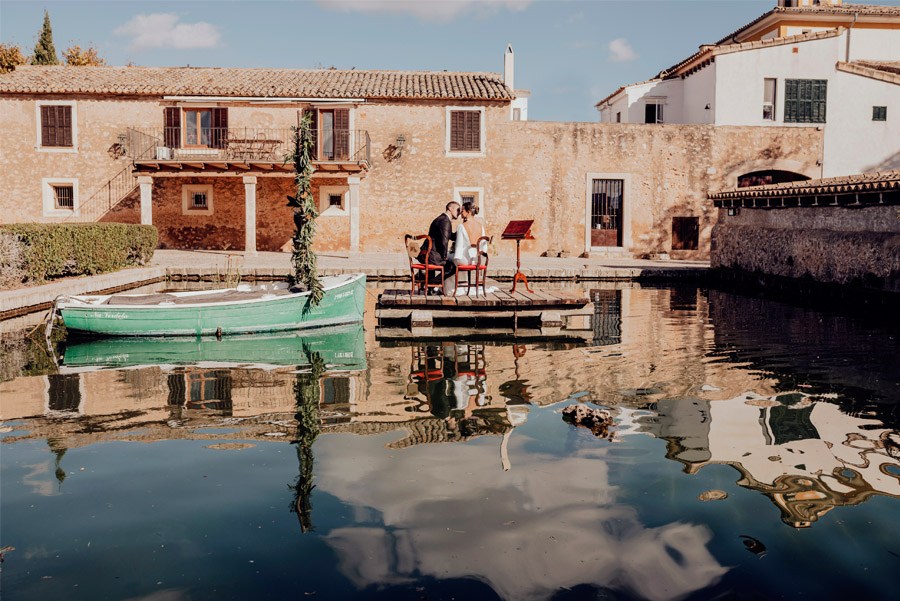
64 197
517 114
464 198
199 200
653 112
879 113
335 200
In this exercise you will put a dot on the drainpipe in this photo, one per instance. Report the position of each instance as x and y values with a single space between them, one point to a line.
847 50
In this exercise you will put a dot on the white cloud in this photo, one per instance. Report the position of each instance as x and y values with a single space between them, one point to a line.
620 51
427 10
164 30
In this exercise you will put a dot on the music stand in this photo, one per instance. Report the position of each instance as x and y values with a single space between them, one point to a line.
518 231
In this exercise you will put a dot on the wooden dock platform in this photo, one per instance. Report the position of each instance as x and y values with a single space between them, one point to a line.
540 314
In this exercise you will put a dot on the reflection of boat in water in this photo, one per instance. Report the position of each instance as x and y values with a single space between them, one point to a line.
341 348
240 310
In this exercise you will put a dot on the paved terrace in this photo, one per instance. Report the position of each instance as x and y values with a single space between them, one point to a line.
212 266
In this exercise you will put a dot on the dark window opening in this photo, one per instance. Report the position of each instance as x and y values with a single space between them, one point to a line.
56 126
685 233
65 392
653 112
335 200
619 117
770 176
199 200
879 113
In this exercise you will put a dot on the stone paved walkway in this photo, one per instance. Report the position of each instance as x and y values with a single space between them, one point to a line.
380 265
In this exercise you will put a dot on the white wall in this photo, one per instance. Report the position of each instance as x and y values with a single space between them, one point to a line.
740 75
874 44
853 142
639 95
700 90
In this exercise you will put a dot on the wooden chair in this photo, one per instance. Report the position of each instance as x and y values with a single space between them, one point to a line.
416 266
479 268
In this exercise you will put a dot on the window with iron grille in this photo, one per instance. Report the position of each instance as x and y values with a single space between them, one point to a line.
64 197
335 200
804 100
465 131
464 198
56 126
685 233
199 200
879 113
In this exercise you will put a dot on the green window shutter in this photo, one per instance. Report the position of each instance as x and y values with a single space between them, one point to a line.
790 101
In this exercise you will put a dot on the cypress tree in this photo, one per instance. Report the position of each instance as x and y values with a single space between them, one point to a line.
44 50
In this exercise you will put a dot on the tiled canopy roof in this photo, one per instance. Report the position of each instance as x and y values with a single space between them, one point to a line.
279 83
878 181
883 70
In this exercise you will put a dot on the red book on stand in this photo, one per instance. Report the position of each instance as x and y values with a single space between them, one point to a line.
518 230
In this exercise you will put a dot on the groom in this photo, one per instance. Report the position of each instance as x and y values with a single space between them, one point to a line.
441 231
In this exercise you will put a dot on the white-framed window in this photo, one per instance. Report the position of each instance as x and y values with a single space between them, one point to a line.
59 196
56 126
653 111
474 194
197 199
333 201
465 131
769 89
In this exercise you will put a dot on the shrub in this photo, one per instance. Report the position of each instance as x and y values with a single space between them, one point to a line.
12 272
58 250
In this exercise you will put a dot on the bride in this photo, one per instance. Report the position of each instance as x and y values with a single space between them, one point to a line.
464 251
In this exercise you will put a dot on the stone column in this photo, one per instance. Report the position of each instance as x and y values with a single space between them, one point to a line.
353 201
146 184
250 215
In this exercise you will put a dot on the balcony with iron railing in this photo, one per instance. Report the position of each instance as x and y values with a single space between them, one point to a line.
242 145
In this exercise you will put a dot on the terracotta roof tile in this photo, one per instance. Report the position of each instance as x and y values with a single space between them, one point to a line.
285 83
888 71
864 182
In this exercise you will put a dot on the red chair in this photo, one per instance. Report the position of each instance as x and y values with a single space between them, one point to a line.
416 266
479 268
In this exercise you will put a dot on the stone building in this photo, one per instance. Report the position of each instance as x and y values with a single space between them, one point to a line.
199 152
810 63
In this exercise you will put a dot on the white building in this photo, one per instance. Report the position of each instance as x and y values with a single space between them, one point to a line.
812 63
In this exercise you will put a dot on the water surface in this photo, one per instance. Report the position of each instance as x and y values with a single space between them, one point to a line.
754 454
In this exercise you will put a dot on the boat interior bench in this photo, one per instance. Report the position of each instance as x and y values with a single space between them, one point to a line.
214 296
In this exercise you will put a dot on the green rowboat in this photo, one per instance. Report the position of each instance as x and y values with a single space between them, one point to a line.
342 348
241 310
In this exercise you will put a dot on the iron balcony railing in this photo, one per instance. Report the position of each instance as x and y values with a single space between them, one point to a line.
242 144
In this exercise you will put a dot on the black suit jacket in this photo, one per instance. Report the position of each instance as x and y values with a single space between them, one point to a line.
440 232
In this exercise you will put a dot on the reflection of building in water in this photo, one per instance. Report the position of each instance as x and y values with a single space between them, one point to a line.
804 454
607 318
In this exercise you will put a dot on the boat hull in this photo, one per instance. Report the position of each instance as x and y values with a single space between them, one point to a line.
342 303
342 348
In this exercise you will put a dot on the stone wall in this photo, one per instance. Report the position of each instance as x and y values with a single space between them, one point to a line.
527 170
859 247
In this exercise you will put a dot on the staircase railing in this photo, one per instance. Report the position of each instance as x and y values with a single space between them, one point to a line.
133 144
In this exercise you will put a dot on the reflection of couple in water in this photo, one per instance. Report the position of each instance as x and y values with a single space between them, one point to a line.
469 228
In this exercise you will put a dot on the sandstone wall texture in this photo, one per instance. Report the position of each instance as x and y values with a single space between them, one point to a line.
527 170
854 246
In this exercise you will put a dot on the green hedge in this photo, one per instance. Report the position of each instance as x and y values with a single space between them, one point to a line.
52 250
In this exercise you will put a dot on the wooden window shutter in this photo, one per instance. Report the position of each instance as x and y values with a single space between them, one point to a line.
790 101
48 126
341 134
56 126
457 124
172 130
473 131
219 132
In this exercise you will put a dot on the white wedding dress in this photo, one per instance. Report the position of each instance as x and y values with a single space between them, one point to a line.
464 254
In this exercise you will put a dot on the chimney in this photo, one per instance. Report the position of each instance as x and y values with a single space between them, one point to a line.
509 58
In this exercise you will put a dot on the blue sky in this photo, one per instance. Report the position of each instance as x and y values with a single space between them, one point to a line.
569 53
